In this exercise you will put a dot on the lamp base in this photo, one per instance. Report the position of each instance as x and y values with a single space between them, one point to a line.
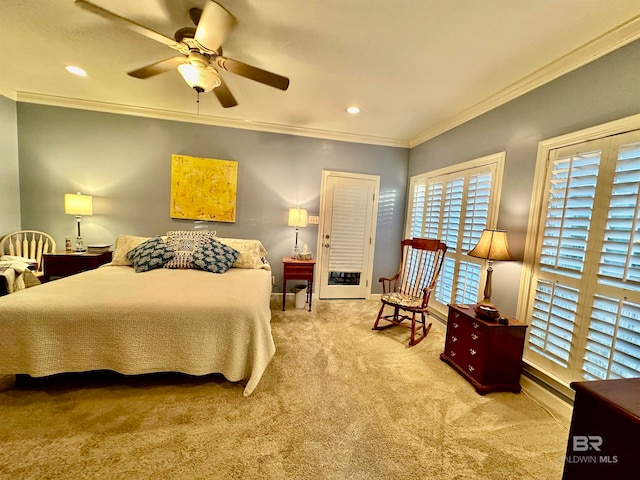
80 248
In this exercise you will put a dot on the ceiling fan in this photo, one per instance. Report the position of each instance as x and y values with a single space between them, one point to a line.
200 49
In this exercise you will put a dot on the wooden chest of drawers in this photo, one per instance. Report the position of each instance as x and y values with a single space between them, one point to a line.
605 428
487 353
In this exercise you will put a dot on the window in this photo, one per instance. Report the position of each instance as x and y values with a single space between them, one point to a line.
455 204
583 296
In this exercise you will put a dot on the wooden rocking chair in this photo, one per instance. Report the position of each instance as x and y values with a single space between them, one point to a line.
409 290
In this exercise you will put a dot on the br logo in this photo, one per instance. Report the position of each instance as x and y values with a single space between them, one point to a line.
584 443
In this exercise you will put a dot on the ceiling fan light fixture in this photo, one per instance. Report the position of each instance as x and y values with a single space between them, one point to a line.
199 78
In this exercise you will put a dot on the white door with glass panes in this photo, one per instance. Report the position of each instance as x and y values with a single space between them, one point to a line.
349 208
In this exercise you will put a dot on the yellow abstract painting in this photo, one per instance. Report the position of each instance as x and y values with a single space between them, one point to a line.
203 188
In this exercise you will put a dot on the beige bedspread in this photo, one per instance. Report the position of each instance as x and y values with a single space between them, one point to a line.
164 320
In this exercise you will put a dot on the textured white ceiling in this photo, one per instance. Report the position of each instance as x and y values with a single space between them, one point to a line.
414 67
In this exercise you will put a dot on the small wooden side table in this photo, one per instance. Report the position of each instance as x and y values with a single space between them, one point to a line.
295 269
63 264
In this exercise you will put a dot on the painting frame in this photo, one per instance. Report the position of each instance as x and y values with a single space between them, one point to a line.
203 189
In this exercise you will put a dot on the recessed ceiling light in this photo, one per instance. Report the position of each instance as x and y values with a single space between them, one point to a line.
353 110
76 70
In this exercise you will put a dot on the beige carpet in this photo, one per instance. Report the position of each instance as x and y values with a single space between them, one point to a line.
339 401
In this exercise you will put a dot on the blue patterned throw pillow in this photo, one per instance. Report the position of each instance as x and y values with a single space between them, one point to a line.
214 256
153 253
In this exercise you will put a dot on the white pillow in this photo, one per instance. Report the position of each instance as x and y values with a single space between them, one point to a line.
125 243
252 252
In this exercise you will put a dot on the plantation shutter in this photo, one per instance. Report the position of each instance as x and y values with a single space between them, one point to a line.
349 227
455 207
476 219
613 339
454 189
620 259
477 208
571 191
433 210
416 219
452 213
585 307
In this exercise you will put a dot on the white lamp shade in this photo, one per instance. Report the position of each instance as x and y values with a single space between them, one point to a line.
78 204
298 217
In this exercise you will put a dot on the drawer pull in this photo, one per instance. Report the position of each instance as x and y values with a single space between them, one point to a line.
474 336
470 368
455 325
453 354
472 352
456 314
454 339
476 325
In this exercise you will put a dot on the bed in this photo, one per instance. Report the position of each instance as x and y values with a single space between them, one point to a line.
163 320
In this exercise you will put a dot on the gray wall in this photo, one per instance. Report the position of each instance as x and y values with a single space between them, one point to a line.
605 90
124 162
9 179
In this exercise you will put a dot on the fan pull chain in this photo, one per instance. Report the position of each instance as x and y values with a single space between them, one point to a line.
197 102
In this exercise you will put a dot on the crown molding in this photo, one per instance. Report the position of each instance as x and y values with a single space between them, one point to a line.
8 93
596 48
206 119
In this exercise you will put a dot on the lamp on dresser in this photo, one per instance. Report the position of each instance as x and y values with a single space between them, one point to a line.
297 218
492 246
78 205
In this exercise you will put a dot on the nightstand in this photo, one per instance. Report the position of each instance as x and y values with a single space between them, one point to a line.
488 354
294 269
63 264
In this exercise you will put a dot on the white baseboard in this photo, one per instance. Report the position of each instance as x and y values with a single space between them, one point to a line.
559 408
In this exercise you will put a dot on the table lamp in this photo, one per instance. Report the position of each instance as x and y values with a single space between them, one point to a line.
78 205
492 246
297 218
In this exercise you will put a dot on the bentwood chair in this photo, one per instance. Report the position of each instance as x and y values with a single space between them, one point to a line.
30 244
408 291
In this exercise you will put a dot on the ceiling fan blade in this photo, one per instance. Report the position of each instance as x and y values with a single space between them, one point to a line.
158 67
224 95
253 73
131 25
214 25
194 15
